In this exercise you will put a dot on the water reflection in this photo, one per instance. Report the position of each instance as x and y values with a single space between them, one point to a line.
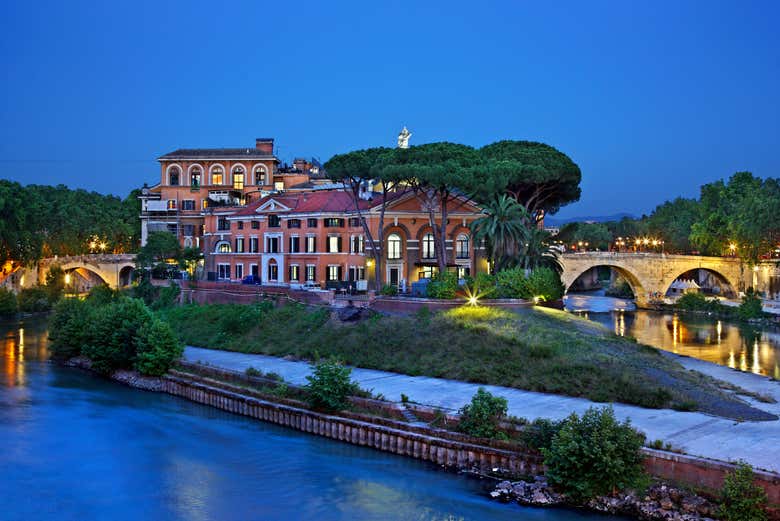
746 348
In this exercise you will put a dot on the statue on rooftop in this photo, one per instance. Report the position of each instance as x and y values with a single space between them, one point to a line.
403 138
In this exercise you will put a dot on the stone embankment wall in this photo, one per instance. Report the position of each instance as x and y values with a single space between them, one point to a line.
429 447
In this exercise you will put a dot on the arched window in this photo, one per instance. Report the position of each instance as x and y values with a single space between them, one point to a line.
259 176
173 176
223 247
238 178
217 175
393 246
428 247
462 246
196 175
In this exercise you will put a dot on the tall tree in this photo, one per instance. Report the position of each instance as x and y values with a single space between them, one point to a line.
439 173
538 176
358 170
672 222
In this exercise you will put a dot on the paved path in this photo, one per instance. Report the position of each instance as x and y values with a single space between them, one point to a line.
758 443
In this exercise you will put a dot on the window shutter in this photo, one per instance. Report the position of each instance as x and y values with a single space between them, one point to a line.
338 270
338 245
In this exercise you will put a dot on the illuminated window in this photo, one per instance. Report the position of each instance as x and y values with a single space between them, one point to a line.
238 178
259 176
334 244
462 247
223 247
217 176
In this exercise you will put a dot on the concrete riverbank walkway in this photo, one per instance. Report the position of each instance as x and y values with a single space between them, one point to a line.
698 434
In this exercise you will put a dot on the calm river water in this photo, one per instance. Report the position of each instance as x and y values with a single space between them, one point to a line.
747 348
74 446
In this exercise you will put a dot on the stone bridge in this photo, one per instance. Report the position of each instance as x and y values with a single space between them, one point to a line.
651 274
114 269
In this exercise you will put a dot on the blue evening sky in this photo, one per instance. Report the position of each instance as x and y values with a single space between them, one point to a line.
650 98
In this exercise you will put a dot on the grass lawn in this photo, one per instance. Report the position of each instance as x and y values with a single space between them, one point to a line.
535 349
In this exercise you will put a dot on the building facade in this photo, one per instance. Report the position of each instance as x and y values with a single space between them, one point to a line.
317 238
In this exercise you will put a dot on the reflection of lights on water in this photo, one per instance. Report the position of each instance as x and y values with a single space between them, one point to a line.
732 360
756 365
743 360
675 332
719 329
620 323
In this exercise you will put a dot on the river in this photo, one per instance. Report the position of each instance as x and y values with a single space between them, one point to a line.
76 446
744 347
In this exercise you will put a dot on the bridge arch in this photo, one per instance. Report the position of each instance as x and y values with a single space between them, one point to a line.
728 288
632 279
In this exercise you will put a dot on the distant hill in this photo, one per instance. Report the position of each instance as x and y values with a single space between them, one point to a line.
555 221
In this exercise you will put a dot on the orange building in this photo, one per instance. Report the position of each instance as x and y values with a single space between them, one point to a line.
194 181
316 238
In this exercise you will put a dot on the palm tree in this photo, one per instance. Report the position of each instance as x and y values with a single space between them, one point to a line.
503 228
539 253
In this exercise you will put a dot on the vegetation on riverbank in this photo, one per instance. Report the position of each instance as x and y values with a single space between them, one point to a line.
538 350
749 309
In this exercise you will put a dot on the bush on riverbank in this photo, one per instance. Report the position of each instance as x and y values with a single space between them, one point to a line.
330 386
540 284
536 349
482 417
34 300
8 305
594 455
741 498
114 332
751 307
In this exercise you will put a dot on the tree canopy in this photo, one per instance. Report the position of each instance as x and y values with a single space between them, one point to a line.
39 221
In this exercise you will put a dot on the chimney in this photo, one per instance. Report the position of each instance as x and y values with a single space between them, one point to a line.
265 145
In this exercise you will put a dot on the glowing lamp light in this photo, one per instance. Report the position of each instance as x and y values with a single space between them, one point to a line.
473 300
369 263
67 278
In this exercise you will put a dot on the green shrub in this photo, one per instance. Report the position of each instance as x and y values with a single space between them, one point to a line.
8 305
34 299
330 385
543 283
483 285
750 307
594 455
251 371
443 286
55 284
157 348
115 328
510 283
167 297
620 289
481 417
70 328
101 295
388 290
145 290
741 498
695 301
540 433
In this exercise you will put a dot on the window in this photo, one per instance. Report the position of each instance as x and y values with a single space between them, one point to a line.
253 245
311 244
273 271
334 273
259 176
311 272
223 224
223 247
188 204
195 178
295 273
311 223
334 222
188 230
217 175
463 272
239 271
223 271
428 272
240 245
171 204
274 221
428 248
272 245
295 244
278 186
462 246
356 244
240 225
334 243
357 273
255 225
173 176
238 178
293 223
394 246
354 222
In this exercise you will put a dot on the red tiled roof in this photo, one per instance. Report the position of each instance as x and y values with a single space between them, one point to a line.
308 202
